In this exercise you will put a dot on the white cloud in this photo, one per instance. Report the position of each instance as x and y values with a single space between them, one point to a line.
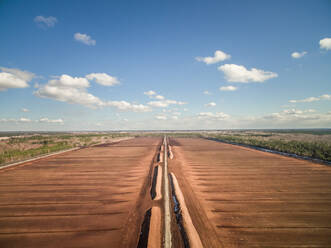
45 22
22 119
213 116
25 110
27 120
165 103
239 74
161 101
211 104
74 90
46 120
228 88
126 106
159 97
150 93
312 99
103 79
218 56
84 38
69 94
325 43
297 55
206 92
174 117
24 75
69 82
69 89
292 115
14 78
161 117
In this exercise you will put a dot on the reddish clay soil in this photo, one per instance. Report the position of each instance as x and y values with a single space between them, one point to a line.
240 197
93 197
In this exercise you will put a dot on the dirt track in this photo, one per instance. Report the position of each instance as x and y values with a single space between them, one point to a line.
239 197
94 197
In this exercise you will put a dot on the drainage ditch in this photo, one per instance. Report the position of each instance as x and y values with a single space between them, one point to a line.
153 188
178 214
143 238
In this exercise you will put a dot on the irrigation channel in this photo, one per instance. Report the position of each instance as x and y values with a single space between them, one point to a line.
174 226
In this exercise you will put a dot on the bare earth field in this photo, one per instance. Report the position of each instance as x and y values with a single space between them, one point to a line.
239 197
93 197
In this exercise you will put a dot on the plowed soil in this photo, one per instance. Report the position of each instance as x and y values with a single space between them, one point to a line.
240 197
93 197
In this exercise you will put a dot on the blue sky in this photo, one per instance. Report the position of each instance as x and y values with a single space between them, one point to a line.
111 65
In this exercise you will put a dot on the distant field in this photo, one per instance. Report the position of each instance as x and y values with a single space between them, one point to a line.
19 146
313 143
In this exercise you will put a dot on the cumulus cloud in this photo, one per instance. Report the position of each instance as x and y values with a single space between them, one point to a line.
14 78
312 99
70 82
213 116
161 102
27 120
46 120
239 74
103 79
211 104
150 93
218 57
25 110
126 106
85 39
206 92
74 90
159 97
297 55
161 117
228 88
22 119
69 89
293 115
165 103
325 43
45 22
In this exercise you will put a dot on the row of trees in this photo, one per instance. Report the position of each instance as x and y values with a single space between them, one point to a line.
316 150
18 154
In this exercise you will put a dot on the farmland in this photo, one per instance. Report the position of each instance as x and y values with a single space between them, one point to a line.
90 197
176 191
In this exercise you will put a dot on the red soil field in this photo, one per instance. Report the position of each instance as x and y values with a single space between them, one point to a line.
240 197
93 197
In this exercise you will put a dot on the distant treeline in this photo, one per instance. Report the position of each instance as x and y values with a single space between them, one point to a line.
316 150
37 145
17 154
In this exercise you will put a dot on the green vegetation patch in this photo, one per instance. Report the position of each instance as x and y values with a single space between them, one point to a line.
318 150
